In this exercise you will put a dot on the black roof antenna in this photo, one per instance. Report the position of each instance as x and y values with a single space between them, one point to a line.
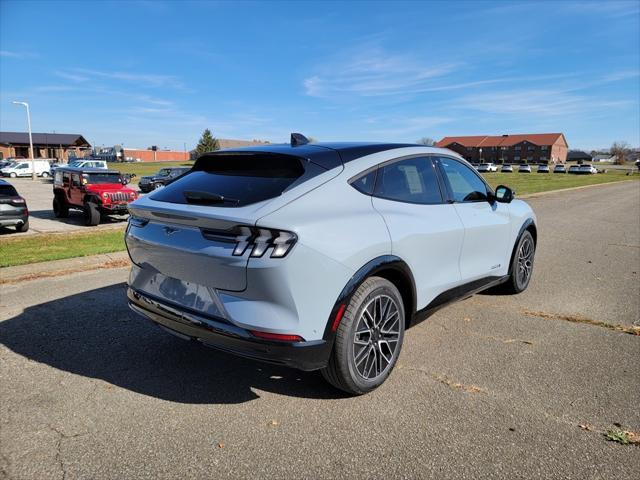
298 139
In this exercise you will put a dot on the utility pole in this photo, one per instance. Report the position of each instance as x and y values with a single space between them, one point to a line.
33 162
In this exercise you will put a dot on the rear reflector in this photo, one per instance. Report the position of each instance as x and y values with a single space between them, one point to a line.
336 321
277 336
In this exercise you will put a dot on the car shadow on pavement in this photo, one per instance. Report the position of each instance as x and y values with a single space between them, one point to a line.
76 217
94 334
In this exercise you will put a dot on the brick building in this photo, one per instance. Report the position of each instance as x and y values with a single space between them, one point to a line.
520 148
148 155
60 146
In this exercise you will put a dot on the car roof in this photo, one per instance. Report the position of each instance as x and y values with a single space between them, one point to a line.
327 155
85 170
4 182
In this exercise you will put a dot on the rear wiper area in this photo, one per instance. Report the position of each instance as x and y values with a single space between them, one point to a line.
207 198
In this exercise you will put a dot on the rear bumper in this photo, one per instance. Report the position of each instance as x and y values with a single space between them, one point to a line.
222 335
7 220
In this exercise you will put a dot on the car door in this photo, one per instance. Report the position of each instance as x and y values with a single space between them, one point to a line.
425 231
487 225
75 192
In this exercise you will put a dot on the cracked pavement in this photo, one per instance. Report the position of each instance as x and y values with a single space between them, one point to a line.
482 389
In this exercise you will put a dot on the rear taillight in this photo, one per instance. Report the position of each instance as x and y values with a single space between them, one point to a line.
259 240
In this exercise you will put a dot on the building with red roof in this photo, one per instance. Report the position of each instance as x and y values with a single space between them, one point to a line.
517 148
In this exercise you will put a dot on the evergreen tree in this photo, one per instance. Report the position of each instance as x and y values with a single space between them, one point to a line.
207 143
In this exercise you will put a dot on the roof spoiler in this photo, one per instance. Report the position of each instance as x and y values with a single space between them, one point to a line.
298 139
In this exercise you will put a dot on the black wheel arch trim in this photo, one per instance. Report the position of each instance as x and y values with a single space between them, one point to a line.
525 226
376 265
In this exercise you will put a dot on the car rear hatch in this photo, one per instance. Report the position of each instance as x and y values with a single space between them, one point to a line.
11 204
186 232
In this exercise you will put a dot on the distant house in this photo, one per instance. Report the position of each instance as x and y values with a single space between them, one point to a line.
519 148
60 146
578 156
604 158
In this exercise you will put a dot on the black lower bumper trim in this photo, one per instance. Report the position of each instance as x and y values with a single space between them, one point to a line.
223 336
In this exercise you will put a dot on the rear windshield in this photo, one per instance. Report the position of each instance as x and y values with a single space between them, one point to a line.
8 191
94 178
233 180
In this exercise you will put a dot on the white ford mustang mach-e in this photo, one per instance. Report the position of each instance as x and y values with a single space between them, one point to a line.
319 256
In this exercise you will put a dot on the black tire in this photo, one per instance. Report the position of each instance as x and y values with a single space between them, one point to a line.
91 214
60 208
516 283
23 227
344 371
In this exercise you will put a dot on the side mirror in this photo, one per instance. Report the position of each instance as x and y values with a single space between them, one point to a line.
504 194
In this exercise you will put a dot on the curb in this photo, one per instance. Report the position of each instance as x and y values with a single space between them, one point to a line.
582 187
54 268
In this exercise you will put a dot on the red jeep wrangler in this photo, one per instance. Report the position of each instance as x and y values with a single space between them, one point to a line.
94 191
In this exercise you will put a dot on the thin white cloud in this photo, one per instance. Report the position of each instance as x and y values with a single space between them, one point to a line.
74 77
17 55
405 127
370 71
536 103
140 79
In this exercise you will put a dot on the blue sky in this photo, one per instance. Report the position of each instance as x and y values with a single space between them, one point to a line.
152 73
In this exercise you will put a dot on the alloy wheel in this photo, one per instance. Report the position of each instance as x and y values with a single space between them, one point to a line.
376 337
525 261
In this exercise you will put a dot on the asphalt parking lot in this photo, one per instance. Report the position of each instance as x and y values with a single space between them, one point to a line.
494 386
39 195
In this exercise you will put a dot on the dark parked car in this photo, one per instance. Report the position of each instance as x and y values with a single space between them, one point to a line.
13 208
160 179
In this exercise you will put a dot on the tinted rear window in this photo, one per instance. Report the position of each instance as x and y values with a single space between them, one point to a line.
233 180
8 191
96 178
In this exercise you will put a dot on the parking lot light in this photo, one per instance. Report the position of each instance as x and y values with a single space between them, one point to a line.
33 164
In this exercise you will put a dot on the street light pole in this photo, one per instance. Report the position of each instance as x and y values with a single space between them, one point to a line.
33 163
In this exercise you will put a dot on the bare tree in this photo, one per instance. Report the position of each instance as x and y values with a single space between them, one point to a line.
429 142
619 150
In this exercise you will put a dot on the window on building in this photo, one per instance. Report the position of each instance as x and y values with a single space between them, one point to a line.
544 148
518 148
516 159
531 148
544 157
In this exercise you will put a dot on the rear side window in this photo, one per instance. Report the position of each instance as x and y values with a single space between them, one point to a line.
233 180
365 183
412 180
8 191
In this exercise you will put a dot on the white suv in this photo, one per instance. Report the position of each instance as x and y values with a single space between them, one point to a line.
320 256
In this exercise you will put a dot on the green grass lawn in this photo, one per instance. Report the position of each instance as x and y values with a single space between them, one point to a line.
524 183
145 168
42 248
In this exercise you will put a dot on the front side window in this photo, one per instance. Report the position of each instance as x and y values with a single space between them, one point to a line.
412 180
464 183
